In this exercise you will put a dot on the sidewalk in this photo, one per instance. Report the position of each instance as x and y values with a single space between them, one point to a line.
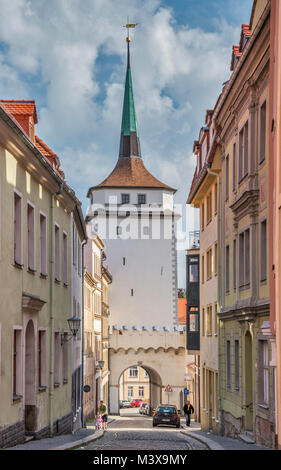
65 441
215 442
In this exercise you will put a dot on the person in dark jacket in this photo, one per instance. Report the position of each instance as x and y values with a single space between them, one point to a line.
188 409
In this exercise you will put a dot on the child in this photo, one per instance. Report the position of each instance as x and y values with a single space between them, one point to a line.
99 422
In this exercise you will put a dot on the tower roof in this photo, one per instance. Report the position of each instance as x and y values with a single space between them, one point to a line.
130 171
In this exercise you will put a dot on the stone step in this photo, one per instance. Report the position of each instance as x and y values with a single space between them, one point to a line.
246 438
28 438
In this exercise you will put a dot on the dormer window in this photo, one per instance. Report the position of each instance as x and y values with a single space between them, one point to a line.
141 198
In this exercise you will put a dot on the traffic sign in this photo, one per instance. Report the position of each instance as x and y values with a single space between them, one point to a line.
186 391
168 388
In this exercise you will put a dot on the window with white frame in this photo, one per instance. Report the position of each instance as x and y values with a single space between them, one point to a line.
236 364
130 392
30 237
141 392
18 258
41 359
263 251
228 369
264 373
17 364
133 372
64 258
65 358
57 253
57 347
262 132
243 151
43 244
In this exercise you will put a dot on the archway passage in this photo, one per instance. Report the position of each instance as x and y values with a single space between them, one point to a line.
139 384
30 394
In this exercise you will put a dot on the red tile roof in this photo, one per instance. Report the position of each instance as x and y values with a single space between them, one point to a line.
21 108
131 172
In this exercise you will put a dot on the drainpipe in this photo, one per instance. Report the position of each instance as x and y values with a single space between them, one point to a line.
51 342
214 173
82 336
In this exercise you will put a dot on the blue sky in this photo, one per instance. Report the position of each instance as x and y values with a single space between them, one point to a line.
70 57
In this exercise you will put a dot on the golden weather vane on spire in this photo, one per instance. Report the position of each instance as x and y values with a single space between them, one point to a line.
128 26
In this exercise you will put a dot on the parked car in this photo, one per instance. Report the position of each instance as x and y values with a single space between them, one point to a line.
124 404
166 414
144 409
136 402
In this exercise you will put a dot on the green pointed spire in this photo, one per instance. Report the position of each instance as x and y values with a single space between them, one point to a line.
129 142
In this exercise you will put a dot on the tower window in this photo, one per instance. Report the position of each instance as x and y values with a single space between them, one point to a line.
125 198
141 198
124 261
118 230
132 292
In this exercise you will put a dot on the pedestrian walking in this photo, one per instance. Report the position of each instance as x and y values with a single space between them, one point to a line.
103 413
188 409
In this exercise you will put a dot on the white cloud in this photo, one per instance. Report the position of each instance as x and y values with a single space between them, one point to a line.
177 75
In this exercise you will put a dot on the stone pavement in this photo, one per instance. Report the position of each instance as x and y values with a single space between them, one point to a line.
65 441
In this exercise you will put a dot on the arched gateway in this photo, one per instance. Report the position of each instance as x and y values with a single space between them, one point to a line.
161 354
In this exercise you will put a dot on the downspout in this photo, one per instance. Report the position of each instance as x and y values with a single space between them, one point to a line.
82 335
51 342
219 291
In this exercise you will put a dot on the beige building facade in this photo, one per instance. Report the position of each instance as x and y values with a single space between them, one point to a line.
37 208
135 384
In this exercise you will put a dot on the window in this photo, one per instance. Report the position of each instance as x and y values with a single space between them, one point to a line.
57 359
132 292
17 364
227 178
263 251
244 258
202 217
243 152
234 264
236 362
118 230
43 244
215 318
146 230
133 372
262 132
227 268
18 229
264 373
202 270
209 263
216 198
125 198
141 198
130 392
209 320
79 248
216 258
141 392
203 322
234 167
57 253
64 255
228 371
124 261
41 359
30 237
65 358
209 207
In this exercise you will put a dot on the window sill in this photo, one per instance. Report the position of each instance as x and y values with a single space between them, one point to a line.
65 381
17 398
43 276
245 287
65 284
265 407
31 271
57 281
42 388
18 265
56 385
209 334
263 282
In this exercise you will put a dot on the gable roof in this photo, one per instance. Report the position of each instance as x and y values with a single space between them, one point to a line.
21 108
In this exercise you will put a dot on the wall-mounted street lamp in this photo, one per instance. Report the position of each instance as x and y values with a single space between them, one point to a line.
74 325
99 364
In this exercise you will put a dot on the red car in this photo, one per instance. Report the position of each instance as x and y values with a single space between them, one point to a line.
136 403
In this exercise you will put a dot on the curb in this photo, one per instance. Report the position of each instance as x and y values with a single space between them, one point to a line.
205 440
71 445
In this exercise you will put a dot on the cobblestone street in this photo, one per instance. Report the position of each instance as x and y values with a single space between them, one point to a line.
136 433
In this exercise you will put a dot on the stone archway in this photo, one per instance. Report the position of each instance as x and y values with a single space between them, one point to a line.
162 355
30 379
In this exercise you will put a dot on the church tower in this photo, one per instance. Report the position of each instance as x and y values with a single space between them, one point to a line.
133 212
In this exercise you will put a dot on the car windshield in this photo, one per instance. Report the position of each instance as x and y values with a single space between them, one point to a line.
166 409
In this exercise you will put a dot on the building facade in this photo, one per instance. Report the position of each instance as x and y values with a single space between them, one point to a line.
135 384
37 208
204 194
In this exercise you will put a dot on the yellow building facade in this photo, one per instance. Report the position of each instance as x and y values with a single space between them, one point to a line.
37 209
